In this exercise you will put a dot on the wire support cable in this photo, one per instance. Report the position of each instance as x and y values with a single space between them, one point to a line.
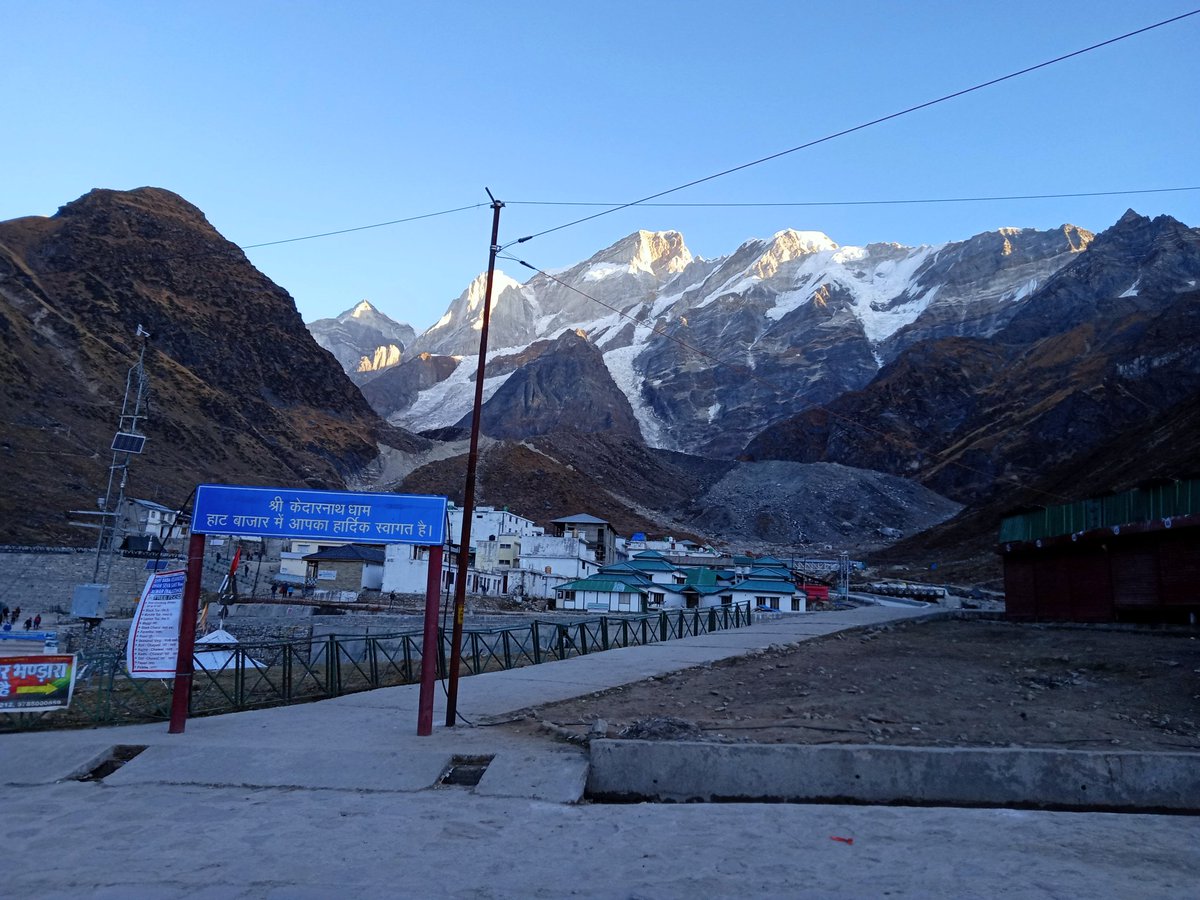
877 121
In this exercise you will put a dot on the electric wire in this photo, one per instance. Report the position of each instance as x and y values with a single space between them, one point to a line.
899 202
774 386
311 237
845 131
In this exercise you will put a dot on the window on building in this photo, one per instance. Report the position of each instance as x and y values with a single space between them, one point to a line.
774 603
727 599
657 597
795 604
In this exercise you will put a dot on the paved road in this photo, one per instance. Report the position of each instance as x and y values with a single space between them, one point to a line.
336 799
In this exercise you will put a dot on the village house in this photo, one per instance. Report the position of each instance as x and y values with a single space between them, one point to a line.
293 566
149 526
596 533
664 585
345 570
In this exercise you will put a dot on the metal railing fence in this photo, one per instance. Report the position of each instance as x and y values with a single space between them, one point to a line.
235 677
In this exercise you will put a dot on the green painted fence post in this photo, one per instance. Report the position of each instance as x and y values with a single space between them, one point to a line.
332 666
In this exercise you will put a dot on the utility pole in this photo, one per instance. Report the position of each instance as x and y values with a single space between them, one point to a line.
464 549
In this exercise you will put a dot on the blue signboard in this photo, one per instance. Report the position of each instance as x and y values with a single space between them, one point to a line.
328 515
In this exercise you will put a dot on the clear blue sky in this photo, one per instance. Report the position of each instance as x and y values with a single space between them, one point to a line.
281 119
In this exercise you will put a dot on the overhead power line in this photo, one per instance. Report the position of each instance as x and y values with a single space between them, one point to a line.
909 200
309 237
860 127
754 376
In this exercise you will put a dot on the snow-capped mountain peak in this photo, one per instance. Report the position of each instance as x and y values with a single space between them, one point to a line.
787 245
822 317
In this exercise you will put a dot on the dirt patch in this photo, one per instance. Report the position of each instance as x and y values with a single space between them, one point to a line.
941 683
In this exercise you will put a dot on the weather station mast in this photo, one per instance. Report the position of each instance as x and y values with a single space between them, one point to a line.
90 601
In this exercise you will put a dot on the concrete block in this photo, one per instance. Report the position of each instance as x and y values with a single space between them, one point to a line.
51 762
557 777
685 771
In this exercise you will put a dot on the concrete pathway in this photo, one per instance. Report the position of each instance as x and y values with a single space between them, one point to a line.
337 798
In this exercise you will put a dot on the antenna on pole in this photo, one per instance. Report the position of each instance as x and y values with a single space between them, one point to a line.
90 601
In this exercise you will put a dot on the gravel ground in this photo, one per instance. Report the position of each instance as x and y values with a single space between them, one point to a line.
943 683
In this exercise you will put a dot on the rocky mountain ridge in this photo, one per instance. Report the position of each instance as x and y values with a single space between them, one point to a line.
240 391
710 352
363 340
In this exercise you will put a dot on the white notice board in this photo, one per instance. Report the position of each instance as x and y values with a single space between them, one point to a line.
154 633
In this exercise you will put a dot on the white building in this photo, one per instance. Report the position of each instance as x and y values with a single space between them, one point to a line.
568 556
531 566
406 571
488 523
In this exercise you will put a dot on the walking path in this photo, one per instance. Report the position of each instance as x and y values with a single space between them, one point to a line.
337 798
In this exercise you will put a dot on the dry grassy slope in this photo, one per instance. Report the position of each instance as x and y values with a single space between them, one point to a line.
240 391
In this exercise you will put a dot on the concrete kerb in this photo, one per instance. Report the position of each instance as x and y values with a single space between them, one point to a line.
1010 777
688 771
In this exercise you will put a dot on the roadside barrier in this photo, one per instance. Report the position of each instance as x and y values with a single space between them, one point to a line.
235 677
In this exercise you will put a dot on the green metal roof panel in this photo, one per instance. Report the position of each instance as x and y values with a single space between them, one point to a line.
601 585
762 586
1177 498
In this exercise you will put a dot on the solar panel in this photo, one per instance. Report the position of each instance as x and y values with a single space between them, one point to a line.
127 442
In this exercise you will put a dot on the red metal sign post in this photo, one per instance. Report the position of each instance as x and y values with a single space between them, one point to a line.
429 643
182 695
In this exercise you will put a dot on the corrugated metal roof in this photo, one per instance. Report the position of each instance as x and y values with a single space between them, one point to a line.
349 553
771 572
579 519
702 578
761 585
1163 501
601 585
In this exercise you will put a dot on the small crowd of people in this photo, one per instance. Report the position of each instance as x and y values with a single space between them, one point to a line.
11 617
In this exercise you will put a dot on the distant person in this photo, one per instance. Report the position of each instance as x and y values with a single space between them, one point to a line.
37 621
274 590
15 615
28 624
